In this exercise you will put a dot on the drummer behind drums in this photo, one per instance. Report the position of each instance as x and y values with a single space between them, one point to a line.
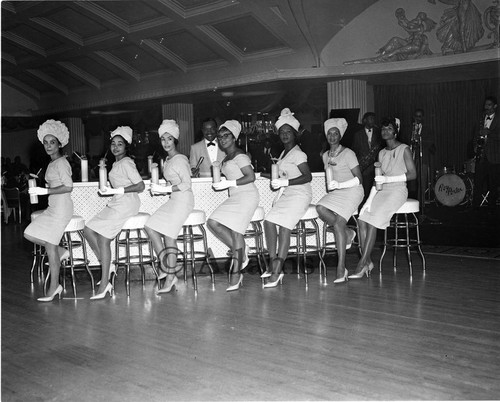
487 169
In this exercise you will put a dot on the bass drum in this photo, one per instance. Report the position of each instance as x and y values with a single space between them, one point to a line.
451 189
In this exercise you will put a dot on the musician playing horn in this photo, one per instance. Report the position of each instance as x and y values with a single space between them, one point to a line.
487 147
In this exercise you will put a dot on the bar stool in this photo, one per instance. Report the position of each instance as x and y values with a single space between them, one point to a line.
131 239
410 222
255 232
330 245
301 233
38 252
74 242
196 219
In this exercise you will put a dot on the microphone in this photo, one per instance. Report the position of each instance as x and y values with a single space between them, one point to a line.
199 162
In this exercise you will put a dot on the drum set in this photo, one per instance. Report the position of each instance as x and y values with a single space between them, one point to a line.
451 188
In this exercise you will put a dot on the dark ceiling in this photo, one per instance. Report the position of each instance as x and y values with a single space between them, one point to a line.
76 55
58 51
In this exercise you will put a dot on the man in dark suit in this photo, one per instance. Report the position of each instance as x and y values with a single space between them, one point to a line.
487 144
367 143
207 148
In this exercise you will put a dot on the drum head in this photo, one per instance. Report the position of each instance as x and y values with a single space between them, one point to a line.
450 190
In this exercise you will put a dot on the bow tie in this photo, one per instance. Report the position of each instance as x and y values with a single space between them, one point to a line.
368 130
489 118
210 144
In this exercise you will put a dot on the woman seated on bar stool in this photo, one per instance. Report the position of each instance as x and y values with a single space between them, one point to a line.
397 168
167 221
336 207
293 199
103 228
231 219
48 228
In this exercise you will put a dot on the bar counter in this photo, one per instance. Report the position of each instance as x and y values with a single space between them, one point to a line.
88 202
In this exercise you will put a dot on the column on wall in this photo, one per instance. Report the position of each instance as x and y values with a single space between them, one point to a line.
183 114
350 94
77 141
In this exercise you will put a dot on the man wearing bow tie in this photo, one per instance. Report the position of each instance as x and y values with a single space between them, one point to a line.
366 144
207 148
487 140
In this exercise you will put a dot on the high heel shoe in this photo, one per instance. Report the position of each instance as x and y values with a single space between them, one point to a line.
64 256
109 288
167 289
266 275
58 292
275 283
237 286
370 267
112 271
344 278
246 260
350 238
359 275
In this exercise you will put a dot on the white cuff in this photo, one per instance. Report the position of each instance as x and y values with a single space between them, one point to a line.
395 179
349 183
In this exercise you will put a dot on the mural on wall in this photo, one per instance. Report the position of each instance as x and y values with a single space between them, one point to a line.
491 18
459 30
460 27
414 46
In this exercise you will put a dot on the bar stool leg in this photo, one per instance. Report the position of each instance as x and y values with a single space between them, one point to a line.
417 226
318 247
304 250
408 253
191 255
207 257
127 261
396 242
141 265
85 259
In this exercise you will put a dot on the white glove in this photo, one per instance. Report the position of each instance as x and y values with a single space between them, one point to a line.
224 184
38 190
157 188
277 183
111 191
367 205
390 179
345 184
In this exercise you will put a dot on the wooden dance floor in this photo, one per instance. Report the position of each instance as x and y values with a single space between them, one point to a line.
433 337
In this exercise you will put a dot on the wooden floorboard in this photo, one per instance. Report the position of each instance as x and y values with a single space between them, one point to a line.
435 336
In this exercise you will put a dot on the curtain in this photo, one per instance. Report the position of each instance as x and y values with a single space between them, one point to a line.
452 114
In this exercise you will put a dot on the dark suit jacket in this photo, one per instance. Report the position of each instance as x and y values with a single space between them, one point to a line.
361 148
198 150
492 146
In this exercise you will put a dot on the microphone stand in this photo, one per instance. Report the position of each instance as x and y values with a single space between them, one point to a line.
418 157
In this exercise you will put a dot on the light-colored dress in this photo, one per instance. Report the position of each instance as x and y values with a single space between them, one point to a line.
169 218
345 201
237 211
393 195
293 201
50 225
111 219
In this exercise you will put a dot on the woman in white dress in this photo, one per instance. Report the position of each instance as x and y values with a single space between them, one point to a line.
164 225
397 168
48 228
231 219
103 228
345 191
293 199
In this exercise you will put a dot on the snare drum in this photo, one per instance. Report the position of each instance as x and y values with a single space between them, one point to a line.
451 189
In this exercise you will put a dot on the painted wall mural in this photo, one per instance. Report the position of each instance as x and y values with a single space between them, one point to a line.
459 29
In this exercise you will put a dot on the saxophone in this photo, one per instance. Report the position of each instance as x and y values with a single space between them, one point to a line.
369 158
480 142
